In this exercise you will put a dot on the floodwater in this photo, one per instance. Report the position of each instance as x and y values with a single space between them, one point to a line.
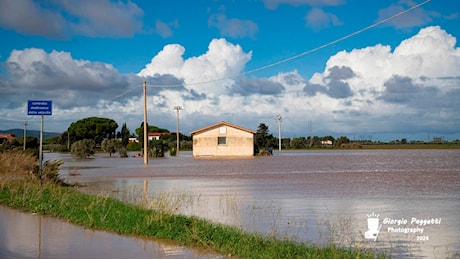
409 199
24 235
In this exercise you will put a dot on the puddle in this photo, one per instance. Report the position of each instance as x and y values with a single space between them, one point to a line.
24 235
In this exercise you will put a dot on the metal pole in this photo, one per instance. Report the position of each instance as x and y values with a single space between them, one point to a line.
146 160
278 117
41 150
177 108
25 133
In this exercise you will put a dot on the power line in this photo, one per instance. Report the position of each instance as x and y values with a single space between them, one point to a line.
289 58
336 41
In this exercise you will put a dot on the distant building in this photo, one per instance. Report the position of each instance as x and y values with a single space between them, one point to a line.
6 137
156 136
437 140
223 139
326 143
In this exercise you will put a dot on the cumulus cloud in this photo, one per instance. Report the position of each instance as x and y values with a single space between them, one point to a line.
57 75
165 29
417 80
246 86
400 90
59 19
414 87
233 27
28 17
417 17
214 70
318 19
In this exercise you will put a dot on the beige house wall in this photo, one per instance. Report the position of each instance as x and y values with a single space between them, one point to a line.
238 142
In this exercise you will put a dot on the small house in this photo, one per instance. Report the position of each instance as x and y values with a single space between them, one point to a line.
223 139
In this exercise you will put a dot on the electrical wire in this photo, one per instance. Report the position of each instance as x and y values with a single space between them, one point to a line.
289 58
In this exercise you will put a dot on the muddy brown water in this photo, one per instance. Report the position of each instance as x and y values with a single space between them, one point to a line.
315 196
25 235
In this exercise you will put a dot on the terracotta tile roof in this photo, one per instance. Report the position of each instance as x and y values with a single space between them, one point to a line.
219 124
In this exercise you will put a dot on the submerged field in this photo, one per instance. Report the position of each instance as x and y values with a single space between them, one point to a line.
20 190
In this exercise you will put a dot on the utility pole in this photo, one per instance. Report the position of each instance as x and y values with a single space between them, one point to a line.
146 160
278 117
40 155
177 108
25 133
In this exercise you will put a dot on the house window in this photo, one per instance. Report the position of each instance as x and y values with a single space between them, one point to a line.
221 140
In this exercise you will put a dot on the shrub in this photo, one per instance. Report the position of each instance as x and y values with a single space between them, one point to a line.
83 148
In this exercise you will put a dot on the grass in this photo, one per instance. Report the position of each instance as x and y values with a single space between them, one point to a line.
20 189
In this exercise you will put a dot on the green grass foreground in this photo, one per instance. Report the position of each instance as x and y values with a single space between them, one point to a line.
20 190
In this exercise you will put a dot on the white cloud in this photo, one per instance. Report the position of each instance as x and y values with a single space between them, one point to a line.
233 27
59 19
164 29
57 75
28 17
318 19
215 68
417 17
413 88
417 82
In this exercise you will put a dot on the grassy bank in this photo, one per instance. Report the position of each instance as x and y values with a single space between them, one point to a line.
22 190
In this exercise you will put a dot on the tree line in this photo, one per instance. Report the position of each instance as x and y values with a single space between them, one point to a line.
266 140
86 136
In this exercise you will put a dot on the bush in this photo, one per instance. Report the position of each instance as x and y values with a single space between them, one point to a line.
83 148
133 147
110 146
50 171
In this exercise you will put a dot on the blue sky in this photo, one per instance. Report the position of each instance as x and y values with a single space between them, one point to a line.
399 79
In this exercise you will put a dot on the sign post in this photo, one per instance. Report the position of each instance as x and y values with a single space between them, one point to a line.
40 108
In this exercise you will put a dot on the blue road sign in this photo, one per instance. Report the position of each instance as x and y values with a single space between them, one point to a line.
39 108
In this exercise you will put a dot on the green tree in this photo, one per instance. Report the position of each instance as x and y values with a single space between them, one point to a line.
31 142
150 129
124 135
158 148
83 148
299 143
263 137
133 147
94 128
341 140
110 146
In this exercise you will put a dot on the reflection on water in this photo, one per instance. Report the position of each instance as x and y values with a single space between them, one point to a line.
317 196
31 236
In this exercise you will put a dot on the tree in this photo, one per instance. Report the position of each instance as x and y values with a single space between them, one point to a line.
110 146
299 143
261 135
83 148
124 135
342 140
158 148
150 129
94 128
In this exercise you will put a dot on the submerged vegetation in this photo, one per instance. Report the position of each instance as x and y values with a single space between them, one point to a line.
21 189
